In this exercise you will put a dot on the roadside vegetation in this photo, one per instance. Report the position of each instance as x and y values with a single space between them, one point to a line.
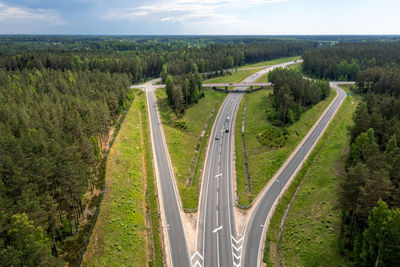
234 77
370 192
296 67
268 146
311 229
61 101
270 62
185 142
124 233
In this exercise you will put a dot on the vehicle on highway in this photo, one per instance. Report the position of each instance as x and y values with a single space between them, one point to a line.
217 137
227 130
228 119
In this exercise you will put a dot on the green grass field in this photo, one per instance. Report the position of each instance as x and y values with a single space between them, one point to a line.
263 162
312 227
182 144
270 62
120 235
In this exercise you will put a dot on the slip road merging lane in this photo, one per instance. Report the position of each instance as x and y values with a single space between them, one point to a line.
217 240
256 226
218 243
176 243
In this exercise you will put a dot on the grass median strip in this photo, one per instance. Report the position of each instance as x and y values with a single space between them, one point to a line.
264 161
120 237
187 144
310 235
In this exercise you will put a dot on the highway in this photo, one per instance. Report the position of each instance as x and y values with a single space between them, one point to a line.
174 236
256 226
218 243
217 240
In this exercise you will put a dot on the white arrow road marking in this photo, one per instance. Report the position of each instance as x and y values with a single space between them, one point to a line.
217 229
198 254
237 257
237 245
237 241
218 175
237 248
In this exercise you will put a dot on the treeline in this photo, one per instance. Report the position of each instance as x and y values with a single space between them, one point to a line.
380 80
292 94
370 197
147 63
52 126
10 44
346 60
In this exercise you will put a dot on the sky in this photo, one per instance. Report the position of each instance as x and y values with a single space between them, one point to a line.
206 17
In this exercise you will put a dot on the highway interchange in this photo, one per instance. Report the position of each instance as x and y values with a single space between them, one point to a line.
218 243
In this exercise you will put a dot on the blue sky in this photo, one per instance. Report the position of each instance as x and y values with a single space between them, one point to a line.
263 17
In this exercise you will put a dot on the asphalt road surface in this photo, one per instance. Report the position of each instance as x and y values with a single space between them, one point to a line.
253 241
175 239
217 240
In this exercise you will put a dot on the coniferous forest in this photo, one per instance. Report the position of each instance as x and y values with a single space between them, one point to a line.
293 94
370 195
61 99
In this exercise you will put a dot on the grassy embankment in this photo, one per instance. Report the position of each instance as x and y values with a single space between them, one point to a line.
183 144
312 227
263 161
270 62
127 229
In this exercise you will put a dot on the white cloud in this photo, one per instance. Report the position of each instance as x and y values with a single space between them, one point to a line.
13 14
189 11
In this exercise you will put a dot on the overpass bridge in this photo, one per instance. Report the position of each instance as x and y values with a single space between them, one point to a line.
244 84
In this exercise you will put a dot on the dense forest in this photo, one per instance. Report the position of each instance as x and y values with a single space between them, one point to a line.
149 62
52 128
346 60
60 98
292 95
370 193
373 175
